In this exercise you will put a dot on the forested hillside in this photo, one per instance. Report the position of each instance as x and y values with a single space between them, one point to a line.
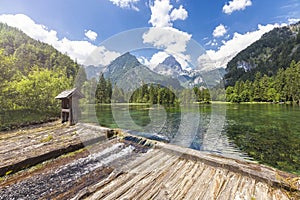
273 51
284 87
32 74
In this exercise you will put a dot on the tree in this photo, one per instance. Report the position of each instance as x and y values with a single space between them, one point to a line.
108 91
100 94
6 76
38 90
152 95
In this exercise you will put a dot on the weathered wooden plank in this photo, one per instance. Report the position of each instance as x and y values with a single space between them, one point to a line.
155 176
198 190
229 187
216 184
176 184
118 182
262 191
155 188
278 194
114 194
183 186
256 171
246 188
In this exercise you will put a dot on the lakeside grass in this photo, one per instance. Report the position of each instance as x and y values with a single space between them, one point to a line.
14 119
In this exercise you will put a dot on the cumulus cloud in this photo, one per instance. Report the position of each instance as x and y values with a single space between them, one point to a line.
236 5
77 50
157 58
219 31
230 48
160 13
101 56
91 35
129 4
293 20
179 13
163 14
163 36
170 40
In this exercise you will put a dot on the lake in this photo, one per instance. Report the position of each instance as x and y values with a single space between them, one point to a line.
267 133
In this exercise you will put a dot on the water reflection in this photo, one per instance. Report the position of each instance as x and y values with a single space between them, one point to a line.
269 134
195 126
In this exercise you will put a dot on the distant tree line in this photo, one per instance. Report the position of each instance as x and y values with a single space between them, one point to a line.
283 87
105 92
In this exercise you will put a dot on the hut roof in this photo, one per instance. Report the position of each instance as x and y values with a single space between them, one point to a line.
69 93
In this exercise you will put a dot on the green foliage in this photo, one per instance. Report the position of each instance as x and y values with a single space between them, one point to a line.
32 74
28 52
149 93
38 90
153 94
104 90
274 50
284 87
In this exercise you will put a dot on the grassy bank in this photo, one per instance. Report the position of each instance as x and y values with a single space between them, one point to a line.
19 118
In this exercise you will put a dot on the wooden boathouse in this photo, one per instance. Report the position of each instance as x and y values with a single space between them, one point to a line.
70 105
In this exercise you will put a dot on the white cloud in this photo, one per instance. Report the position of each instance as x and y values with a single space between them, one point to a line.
163 14
236 5
129 4
101 56
160 13
144 61
91 35
163 36
219 31
170 40
157 58
179 13
293 20
79 50
230 48
160 56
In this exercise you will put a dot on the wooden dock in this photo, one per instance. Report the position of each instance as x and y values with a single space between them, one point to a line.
130 167
172 172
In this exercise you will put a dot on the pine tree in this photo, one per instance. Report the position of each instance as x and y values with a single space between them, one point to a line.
101 90
108 91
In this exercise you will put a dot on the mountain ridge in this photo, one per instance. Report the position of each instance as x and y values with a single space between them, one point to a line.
128 73
274 50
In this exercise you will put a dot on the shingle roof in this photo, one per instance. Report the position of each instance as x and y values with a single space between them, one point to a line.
69 93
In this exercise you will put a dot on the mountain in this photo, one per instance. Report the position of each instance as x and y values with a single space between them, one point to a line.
28 52
93 71
128 73
169 67
274 50
172 68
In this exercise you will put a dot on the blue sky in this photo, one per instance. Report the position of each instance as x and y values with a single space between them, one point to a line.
221 27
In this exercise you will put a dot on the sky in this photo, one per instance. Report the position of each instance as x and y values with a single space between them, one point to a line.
220 28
